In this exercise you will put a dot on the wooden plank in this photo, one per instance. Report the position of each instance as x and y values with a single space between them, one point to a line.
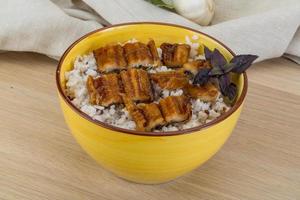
39 159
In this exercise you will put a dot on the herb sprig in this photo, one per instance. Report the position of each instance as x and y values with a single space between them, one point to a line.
220 70
162 4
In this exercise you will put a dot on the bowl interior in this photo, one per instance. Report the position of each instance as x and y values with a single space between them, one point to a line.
142 32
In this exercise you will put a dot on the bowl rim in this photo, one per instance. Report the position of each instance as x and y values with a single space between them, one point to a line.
224 116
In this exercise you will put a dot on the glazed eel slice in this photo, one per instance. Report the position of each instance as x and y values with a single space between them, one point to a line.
175 55
137 85
175 108
146 116
170 80
104 90
140 54
208 92
110 58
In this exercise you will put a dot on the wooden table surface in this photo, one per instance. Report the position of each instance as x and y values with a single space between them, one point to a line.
39 159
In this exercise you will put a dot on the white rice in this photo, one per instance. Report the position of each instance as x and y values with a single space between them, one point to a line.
194 47
133 40
159 69
159 51
117 115
195 37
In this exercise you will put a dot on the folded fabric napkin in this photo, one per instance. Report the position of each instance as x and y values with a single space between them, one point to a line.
268 28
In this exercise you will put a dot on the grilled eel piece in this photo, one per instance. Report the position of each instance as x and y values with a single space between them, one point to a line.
137 54
152 115
140 54
175 55
170 80
175 108
196 65
156 59
135 113
146 116
208 92
137 85
105 89
110 57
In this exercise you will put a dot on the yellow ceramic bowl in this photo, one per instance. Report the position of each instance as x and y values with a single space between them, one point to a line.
145 157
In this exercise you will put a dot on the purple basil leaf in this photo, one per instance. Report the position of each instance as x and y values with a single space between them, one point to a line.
242 62
228 67
227 88
231 91
224 82
218 71
208 53
202 77
217 59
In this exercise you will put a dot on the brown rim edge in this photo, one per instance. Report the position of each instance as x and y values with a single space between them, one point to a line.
143 133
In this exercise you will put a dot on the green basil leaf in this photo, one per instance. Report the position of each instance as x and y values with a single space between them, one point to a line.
160 3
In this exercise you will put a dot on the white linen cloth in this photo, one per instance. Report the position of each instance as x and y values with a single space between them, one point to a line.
268 28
